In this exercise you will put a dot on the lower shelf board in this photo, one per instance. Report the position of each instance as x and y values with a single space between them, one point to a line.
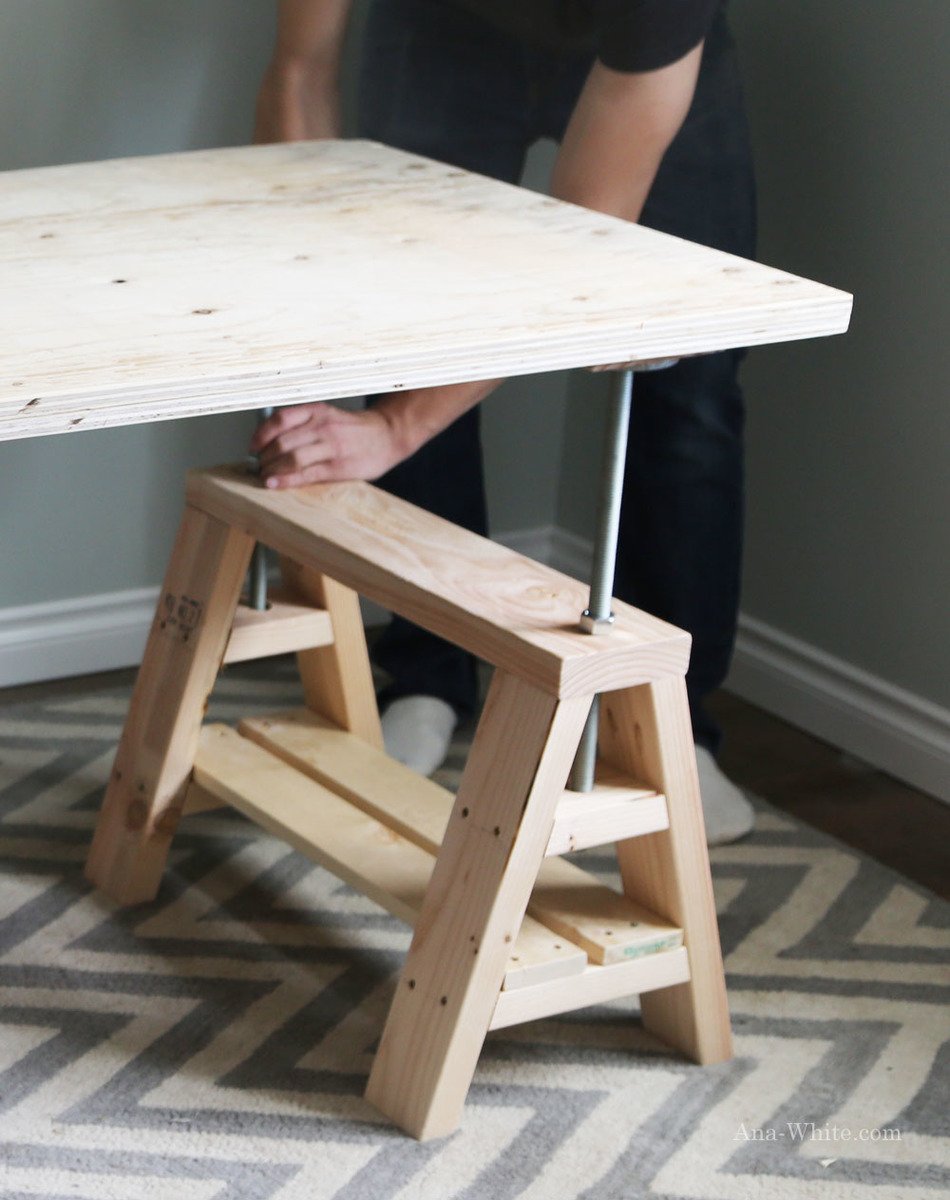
368 855
378 826
606 924
594 985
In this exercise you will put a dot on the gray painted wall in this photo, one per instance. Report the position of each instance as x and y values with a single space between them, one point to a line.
848 529
848 532
849 479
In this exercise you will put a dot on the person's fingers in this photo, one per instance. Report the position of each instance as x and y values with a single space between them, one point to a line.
292 439
332 444
279 422
298 459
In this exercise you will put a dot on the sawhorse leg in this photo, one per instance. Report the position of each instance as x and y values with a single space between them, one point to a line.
646 731
491 854
154 761
337 679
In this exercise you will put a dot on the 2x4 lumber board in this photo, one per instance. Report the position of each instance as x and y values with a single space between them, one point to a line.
211 281
595 985
198 801
614 810
284 626
498 604
500 822
362 852
153 763
608 925
368 855
566 899
412 806
337 679
648 729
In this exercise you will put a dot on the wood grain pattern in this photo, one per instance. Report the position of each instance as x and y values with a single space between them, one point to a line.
500 605
169 286
419 808
594 985
610 926
495 839
617 808
366 853
647 730
414 807
144 799
566 899
283 627
337 678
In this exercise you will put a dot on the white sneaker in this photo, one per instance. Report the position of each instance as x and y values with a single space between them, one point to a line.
728 814
417 731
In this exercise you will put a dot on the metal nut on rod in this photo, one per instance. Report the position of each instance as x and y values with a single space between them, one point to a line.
596 625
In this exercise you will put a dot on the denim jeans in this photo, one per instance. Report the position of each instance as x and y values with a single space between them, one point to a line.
444 83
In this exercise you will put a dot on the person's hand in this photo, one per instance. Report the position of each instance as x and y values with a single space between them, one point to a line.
320 443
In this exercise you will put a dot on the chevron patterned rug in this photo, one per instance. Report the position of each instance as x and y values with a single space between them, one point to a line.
214 1045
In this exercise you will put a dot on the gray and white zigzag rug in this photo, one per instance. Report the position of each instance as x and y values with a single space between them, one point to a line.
214 1044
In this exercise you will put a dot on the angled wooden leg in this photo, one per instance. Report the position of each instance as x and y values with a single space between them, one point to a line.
155 757
646 731
491 853
337 679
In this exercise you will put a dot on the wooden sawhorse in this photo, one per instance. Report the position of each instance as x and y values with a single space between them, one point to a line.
464 871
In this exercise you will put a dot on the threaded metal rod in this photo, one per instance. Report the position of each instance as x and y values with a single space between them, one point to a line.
598 616
257 581
608 513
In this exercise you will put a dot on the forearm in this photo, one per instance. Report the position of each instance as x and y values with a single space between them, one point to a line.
310 35
417 416
619 131
299 97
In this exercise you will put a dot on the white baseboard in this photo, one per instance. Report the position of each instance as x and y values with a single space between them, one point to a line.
74 637
864 715
874 720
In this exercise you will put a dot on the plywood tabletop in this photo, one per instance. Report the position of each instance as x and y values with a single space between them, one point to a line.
150 288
